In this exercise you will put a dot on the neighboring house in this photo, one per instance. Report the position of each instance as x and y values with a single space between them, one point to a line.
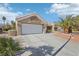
31 24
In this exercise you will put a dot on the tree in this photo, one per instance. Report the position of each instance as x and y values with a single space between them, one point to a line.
65 23
13 24
4 19
69 23
76 22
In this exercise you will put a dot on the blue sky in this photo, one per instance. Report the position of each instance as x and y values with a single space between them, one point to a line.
49 11
26 8
35 8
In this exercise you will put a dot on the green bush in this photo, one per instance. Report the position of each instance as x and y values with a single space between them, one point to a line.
49 31
8 47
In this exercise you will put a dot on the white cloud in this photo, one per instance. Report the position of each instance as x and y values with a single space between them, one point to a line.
19 13
64 9
6 11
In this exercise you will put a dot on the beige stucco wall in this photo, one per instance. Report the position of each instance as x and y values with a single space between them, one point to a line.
52 27
28 21
18 28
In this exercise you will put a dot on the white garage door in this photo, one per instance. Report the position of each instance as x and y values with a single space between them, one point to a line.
31 28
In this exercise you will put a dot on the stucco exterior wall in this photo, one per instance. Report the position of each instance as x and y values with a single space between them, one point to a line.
18 28
31 20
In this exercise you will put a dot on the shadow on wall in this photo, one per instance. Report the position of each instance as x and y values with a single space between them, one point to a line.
40 51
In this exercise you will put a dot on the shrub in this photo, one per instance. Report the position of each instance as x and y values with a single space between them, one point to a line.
8 47
49 31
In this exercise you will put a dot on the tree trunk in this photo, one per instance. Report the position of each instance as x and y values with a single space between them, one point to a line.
65 30
70 29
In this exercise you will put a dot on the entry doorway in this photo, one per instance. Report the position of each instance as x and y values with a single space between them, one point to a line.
49 29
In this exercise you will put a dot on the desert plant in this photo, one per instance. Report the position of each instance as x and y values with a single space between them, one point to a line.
8 47
65 23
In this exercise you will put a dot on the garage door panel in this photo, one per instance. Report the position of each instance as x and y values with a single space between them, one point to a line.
31 28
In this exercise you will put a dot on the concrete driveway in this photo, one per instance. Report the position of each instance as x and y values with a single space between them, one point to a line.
45 45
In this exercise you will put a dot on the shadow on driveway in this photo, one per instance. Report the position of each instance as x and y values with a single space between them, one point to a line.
40 51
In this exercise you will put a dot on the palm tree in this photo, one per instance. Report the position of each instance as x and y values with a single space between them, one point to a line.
4 19
76 22
65 23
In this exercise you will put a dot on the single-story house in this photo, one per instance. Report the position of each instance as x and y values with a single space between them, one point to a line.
31 24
